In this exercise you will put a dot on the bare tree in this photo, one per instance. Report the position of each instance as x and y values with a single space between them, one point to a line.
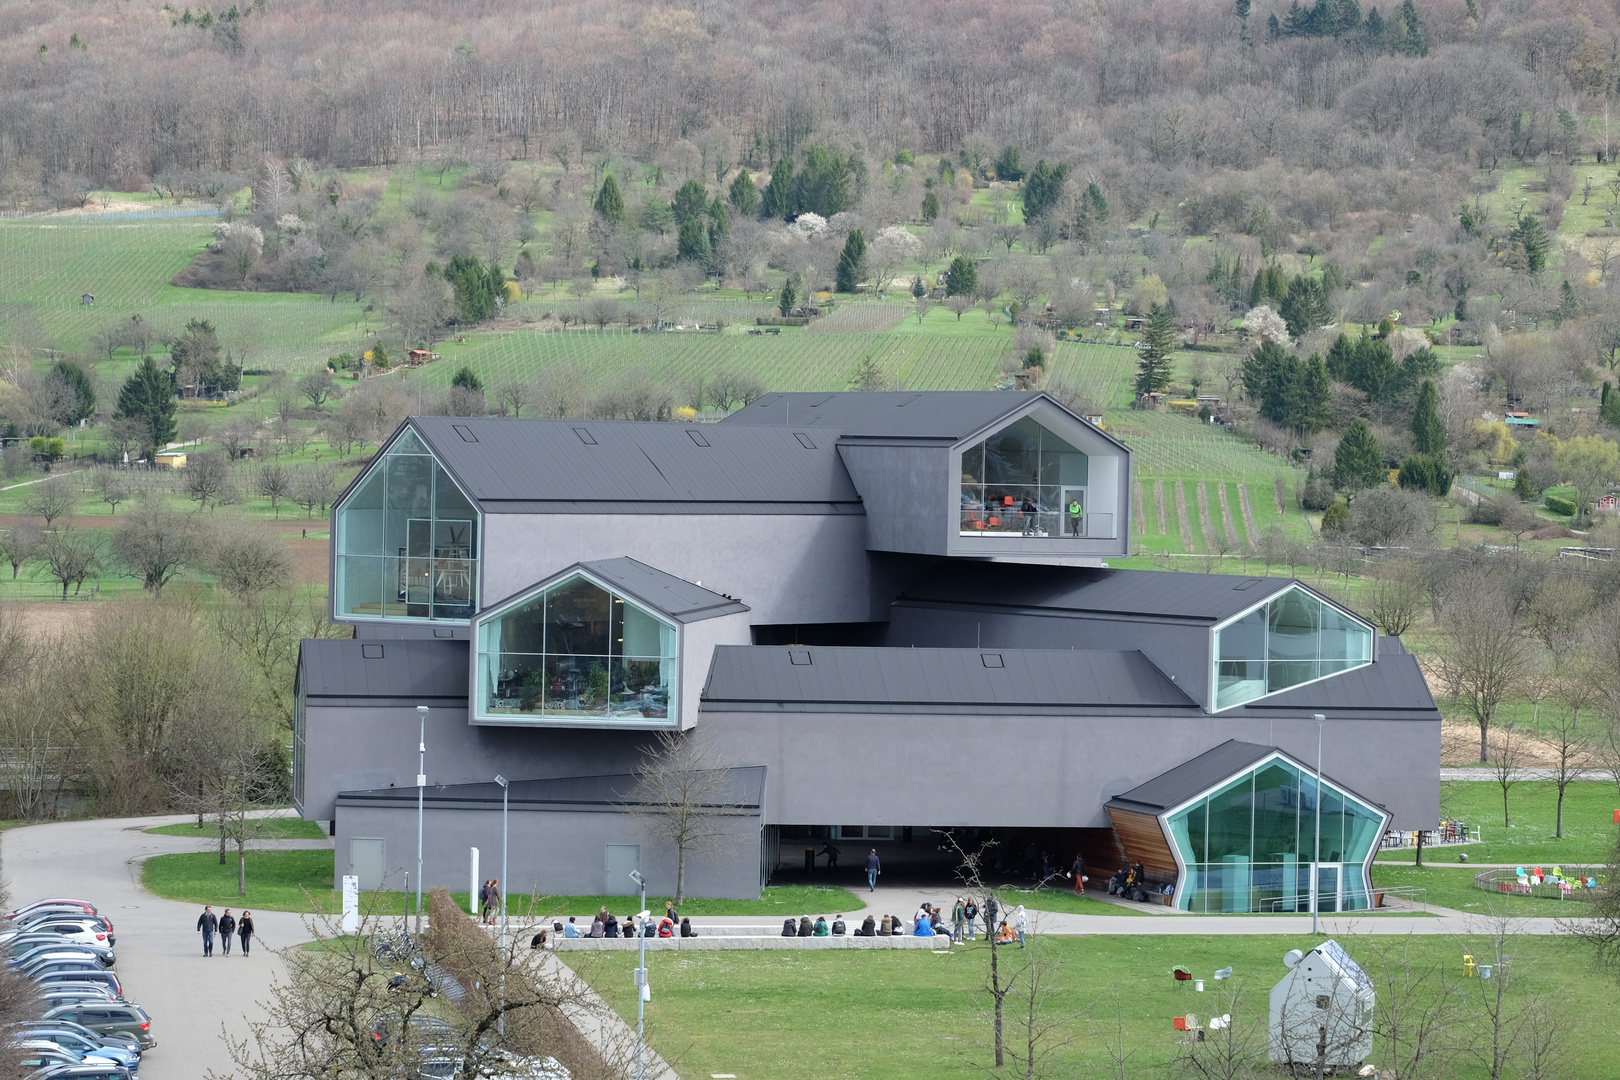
273 482
1418 1011
1484 656
71 556
511 395
317 387
683 799
314 486
206 479
113 485
51 499
244 558
284 394
1394 597
960 304
264 629
154 544
20 544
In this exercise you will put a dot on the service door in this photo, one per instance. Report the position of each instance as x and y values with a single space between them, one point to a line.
618 861
368 861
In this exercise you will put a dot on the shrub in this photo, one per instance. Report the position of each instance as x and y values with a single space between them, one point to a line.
1559 505
1336 519
1426 472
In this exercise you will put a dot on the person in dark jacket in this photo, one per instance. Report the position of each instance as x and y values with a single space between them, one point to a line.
990 909
1078 872
207 923
790 927
899 927
227 927
805 927
686 928
868 927
874 867
244 930
838 926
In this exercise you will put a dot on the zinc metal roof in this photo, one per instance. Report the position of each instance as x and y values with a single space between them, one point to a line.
939 414
1150 594
410 670
1394 683
1199 774
681 600
800 678
532 466
743 790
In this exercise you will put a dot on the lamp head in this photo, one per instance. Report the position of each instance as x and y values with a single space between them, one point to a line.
422 710
635 876
1318 717
501 780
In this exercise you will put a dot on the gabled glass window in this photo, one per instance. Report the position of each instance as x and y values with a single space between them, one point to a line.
577 651
406 541
1249 845
1291 639
1026 481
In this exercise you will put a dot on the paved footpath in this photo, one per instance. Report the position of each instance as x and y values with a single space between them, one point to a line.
160 959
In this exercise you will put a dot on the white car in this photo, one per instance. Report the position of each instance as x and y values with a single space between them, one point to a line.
519 1067
80 931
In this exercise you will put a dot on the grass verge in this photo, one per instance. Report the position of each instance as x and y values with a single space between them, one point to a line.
1589 832
274 829
1453 887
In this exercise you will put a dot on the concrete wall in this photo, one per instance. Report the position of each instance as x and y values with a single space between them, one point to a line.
786 568
557 852
1032 771
911 505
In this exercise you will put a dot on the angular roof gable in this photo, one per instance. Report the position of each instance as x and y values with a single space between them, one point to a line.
1193 777
673 597
531 466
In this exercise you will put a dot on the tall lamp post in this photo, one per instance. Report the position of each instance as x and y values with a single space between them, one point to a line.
421 790
643 991
1316 859
505 884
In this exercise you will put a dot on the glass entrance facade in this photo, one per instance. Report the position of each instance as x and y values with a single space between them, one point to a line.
1291 639
1249 845
1023 480
406 541
575 651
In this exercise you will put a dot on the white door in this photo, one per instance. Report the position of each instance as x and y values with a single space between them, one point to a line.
618 861
368 861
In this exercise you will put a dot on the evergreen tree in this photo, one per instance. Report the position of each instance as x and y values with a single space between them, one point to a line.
1530 237
691 201
84 393
609 200
467 380
1373 370
744 195
1260 369
1610 408
1316 397
1524 486
777 201
476 287
1428 433
823 187
787 298
148 395
1408 33
693 240
1153 364
1304 305
1042 188
1010 166
719 221
1419 364
1568 305
962 278
1096 205
1357 463
1341 358
1425 472
930 207
852 263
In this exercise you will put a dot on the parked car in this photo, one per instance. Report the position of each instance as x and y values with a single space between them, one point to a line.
125 1042
43 1054
54 963
86 1070
49 910
54 901
63 993
91 929
87 1045
19 949
109 1017
522 1067
51 914
82 976
29 957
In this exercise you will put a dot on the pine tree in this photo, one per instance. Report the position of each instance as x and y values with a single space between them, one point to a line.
1530 237
1610 408
719 221
1428 433
744 195
1316 397
1341 358
609 200
1524 486
467 380
1159 339
787 298
691 201
148 395
778 198
930 207
1357 462
693 240
962 278
852 263
1042 187
1408 35
1568 305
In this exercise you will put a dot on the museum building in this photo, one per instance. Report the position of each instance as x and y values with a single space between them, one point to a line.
888 613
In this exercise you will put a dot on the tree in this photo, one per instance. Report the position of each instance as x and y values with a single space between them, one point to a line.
609 200
154 544
822 186
148 395
690 202
692 240
1357 463
50 499
1153 362
20 544
1009 166
1588 463
1043 187
1484 658
787 297
314 486
235 435
683 798
778 197
198 359
1531 239
83 397
513 395
852 262
477 288
466 380
1407 32
244 558
962 278
960 304
273 482
1428 433
71 557
1609 407
743 195
206 479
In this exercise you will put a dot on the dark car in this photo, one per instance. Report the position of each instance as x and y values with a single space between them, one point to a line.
105 978
85 1045
20 949
85 1071
49 963
59 951
108 1018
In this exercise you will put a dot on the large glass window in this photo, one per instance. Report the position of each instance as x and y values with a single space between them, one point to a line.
577 651
407 541
1249 846
1024 480
1291 639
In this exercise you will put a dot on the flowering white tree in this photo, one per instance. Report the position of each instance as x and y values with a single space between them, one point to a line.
889 251
1266 325
241 244
808 226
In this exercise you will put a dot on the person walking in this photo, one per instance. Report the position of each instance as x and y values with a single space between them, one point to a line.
483 902
874 867
1078 872
206 925
244 930
227 928
494 900
970 911
1074 517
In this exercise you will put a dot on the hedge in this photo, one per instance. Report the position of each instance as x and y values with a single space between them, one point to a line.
1559 506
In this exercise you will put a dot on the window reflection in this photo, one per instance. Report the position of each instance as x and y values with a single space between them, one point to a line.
577 651
1292 639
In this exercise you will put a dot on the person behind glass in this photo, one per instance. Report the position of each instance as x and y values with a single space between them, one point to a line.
1074 517
1027 509
227 927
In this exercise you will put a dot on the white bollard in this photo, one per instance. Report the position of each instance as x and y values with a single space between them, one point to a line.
472 884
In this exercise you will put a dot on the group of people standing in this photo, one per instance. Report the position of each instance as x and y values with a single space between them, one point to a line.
226 925
489 900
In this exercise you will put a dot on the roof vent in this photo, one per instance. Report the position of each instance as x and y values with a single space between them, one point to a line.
585 436
909 400
466 433
992 660
371 652
696 436
799 657
1246 583
804 440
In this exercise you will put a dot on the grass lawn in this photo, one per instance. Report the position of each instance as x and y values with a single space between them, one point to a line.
1589 831
281 828
1453 887
905 1014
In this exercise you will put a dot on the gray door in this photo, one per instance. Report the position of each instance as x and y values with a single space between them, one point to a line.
367 860
618 861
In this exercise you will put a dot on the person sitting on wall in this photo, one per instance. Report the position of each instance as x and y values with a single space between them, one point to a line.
686 928
899 926
539 940
597 928
666 927
922 927
572 929
838 927
820 929
805 927
868 927
887 926
611 927
649 928
790 927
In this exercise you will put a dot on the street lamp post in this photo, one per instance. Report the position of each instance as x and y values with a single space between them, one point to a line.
505 884
1316 859
421 790
643 991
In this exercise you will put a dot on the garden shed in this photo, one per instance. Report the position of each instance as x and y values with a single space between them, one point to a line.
1322 1007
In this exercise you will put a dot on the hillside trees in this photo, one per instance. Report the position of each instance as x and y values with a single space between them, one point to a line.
148 396
1159 338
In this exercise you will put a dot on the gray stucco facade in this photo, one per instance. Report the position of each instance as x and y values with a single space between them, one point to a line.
843 530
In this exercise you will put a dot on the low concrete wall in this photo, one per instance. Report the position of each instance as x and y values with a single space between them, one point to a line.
739 941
